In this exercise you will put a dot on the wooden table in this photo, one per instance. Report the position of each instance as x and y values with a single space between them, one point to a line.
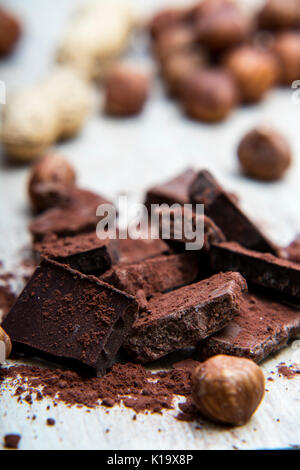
112 156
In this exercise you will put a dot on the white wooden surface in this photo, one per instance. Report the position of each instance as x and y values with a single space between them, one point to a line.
112 156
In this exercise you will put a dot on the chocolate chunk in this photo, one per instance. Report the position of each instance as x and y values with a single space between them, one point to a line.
224 211
11 441
50 422
78 215
84 252
171 192
184 316
70 317
292 251
262 327
263 269
158 274
185 226
134 251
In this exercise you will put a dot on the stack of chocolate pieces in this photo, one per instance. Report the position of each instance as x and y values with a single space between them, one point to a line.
89 297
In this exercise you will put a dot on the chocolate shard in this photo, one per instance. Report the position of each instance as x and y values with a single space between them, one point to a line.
263 269
292 251
221 207
70 317
159 274
183 317
84 252
134 251
77 215
186 226
262 327
172 191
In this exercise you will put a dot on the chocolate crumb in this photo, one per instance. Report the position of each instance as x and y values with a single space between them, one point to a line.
288 372
50 422
11 441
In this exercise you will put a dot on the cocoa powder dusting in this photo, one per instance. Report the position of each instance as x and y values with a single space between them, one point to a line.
133 385
288 371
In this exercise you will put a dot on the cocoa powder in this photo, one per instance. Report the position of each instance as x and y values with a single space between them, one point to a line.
131 384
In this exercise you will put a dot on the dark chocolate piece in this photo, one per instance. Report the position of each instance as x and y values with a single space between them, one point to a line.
223 210
134 251
172 191
70 317
77 215
84 252
262 327
184 316
292 251
263 269
158 274
181 220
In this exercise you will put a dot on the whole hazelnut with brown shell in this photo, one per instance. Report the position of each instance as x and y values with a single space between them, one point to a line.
264 154
287 50
228 389
209 95
255 71
278 14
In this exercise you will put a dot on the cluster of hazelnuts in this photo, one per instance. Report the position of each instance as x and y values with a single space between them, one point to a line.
215 55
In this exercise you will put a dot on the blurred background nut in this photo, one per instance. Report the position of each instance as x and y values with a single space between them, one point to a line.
126 90
49 180
254 69
287 51
173 40
209 94
10 31
228 389
54 108
223 25
264 154
164 20
279 14
178 67
6 349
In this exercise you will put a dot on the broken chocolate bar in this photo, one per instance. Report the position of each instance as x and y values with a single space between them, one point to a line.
263 269
223 210
84 252
158 274
262 327
78 215
134 251
171 192
184 316
184 226
70 317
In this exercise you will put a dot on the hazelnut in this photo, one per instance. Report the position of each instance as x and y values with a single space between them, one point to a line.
164 20
10 31
178 67
278 14
223 26
49 181
287 51
228 389
255 71
126 90
209 94
264 154
174 40
5 345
